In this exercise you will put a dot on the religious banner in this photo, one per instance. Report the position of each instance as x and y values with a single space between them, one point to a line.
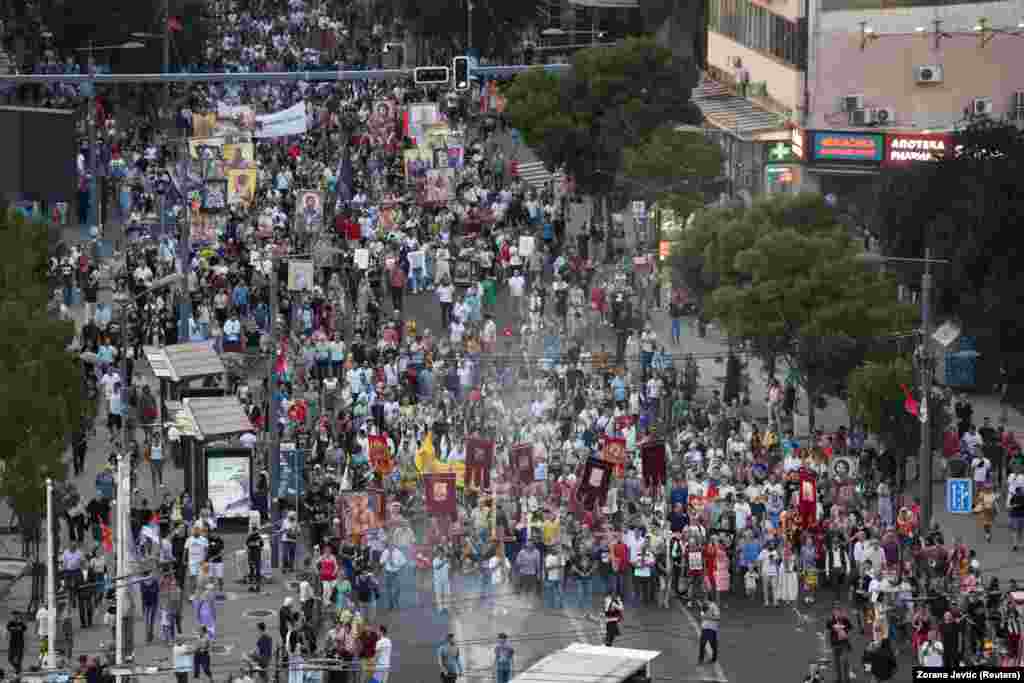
309 214
479 458
382 125
438 186
234 120
522 462
808 500
291 121
361 512
652 461
417 163
300 276
440 494
380 455
613 452
417 118
592 486
241 186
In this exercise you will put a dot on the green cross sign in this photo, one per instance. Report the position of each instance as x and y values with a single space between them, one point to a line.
781 151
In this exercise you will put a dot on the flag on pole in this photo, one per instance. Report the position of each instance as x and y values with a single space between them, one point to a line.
107 538
425 455
910 404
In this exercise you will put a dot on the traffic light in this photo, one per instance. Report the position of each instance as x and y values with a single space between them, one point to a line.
460 67
432 75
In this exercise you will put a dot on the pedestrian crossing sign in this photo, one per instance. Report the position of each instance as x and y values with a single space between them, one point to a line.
959 496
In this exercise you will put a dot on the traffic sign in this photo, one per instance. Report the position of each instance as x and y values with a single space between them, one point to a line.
432 75
959 496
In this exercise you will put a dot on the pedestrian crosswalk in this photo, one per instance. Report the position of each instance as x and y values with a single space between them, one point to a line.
534 173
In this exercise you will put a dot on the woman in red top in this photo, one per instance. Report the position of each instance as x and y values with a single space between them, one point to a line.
599 301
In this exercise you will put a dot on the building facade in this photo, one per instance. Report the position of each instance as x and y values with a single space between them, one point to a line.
864 84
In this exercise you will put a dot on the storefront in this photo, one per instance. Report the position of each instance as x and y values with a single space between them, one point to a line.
783 164
902 150
842 165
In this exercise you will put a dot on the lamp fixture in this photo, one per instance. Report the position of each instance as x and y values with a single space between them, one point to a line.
936 31
867 34
986 32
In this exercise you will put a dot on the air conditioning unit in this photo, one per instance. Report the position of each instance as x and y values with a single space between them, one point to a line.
882 116
859 117
852 103
982 106
1017 110
928 73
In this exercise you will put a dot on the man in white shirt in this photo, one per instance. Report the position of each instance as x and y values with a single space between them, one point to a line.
980 467
383 663
393 561
517 288
445 294
196 547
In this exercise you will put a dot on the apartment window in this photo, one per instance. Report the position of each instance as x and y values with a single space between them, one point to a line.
759 29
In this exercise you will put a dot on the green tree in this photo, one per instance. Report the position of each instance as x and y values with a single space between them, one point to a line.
966 208
672 167
41 394
876 399
612 99
786 278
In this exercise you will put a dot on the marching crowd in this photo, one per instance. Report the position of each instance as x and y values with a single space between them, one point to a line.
545 439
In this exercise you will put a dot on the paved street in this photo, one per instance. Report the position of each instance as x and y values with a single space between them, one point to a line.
751 634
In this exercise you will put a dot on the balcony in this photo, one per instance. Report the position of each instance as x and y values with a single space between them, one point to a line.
757 92
724 108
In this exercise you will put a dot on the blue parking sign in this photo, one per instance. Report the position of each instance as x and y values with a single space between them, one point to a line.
959 496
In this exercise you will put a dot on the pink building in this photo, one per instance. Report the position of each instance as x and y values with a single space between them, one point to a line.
869 70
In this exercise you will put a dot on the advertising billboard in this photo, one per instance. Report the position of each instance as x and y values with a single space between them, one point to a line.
229 481
844 147
40 154
910 148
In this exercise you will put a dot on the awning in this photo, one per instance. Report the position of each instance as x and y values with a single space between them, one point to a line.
217 416
732 113
184 361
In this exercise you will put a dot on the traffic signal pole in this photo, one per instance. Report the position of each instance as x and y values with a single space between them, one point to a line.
270 76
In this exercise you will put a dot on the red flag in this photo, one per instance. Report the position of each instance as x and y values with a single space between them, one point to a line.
440 494
593 484
380 454
174 25
652 460
808 500
479 451
107 537
910 403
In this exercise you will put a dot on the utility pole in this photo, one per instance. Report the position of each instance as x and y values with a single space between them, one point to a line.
927 369
122 530
274 436
167 57
51 582
93 159
469 26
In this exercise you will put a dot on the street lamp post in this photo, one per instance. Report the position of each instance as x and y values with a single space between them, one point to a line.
121 519
926 366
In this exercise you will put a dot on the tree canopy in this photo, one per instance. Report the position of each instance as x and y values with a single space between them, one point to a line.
671 166
784 276
613 98
965 208
40 380
877 396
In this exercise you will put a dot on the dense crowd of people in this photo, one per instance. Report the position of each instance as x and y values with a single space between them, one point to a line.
544 440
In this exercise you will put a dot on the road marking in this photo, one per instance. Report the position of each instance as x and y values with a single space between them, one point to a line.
716 673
